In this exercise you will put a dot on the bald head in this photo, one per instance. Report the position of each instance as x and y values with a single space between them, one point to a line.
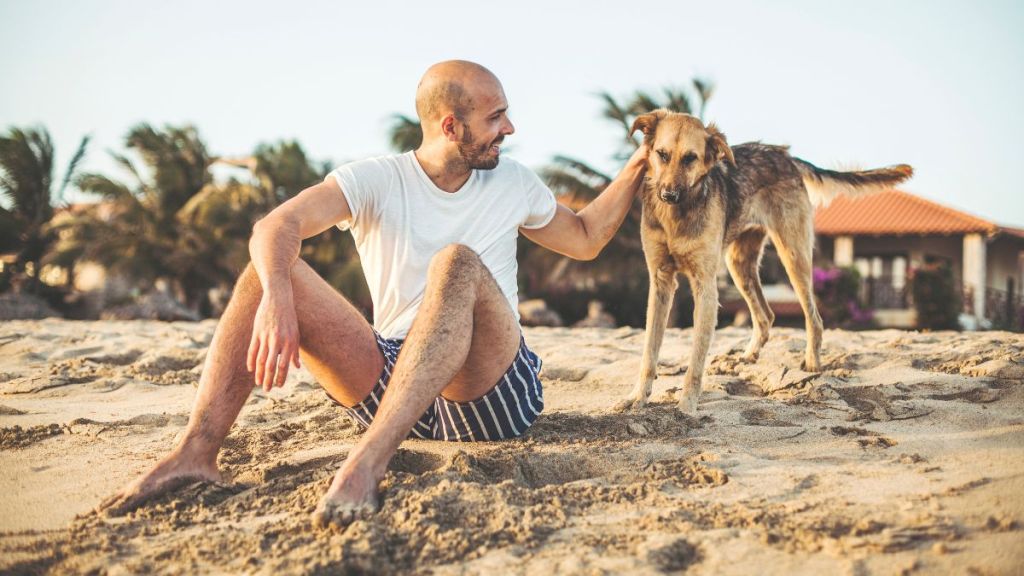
452 87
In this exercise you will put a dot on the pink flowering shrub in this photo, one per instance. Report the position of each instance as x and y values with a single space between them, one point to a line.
836 291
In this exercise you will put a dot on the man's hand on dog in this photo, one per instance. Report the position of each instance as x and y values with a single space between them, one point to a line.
638 161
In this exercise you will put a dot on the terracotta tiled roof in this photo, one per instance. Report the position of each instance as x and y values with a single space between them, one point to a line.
896 212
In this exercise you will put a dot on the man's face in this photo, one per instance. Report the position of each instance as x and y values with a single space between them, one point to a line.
485 128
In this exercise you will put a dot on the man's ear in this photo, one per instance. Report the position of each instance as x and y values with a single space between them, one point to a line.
648 123
716 147
448 128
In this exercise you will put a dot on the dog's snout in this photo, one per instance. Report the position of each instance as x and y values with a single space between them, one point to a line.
670 195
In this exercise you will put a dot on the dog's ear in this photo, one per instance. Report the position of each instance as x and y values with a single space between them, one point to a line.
717 148
648 123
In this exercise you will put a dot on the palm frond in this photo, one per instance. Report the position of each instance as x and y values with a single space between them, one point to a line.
69 174
677 101
599 178
405 133
614 111
642 103
705 90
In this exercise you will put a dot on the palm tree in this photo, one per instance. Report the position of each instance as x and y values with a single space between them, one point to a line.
26 182
147 228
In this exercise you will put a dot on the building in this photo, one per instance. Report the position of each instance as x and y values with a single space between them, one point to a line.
886 235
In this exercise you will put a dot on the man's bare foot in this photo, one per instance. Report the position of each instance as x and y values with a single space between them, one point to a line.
352 496
171 473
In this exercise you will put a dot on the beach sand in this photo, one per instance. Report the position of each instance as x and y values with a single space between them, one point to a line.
906 455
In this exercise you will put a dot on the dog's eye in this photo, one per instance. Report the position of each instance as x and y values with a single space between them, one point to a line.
663 155
689 158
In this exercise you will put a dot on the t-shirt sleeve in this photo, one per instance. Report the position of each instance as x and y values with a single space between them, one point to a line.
364 183
540 200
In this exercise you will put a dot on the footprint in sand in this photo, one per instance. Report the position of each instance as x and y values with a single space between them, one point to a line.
69 353
763 417
865 438
116 358
974 396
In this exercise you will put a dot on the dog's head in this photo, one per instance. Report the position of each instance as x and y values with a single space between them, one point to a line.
682 152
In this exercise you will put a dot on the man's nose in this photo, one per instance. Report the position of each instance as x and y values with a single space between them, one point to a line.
509 128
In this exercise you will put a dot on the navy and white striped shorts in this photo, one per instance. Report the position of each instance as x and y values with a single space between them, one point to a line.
505 412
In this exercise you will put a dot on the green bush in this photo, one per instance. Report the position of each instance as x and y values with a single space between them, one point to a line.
936 297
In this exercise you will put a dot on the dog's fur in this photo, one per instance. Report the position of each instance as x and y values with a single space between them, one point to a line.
702 196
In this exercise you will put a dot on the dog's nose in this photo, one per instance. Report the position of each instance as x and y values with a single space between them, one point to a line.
670 196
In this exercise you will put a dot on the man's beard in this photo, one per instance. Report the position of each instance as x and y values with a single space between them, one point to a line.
478 156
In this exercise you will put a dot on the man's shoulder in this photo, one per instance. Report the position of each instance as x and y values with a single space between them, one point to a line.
380 161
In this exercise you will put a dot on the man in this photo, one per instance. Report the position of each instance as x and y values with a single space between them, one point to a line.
436 231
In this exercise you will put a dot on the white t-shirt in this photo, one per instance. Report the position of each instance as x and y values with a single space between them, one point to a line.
400 219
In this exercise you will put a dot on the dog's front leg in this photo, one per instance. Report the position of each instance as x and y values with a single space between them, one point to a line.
705 318
659 301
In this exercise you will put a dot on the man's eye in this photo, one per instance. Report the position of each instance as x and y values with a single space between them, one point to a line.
663 155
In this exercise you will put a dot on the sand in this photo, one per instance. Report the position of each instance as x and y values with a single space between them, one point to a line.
905 456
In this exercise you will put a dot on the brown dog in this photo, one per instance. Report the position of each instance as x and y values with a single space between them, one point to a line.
701 196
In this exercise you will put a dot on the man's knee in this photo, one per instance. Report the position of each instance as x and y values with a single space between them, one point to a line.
455 267
456 257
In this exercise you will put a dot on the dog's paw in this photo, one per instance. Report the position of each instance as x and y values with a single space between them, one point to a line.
627 404
688 404
810 366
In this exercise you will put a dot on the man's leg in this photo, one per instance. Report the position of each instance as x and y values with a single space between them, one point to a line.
336 344
463 340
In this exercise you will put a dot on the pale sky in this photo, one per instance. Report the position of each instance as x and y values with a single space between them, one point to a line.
936 84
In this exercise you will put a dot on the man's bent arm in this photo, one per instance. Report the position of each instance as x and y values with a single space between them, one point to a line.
277 237
583 235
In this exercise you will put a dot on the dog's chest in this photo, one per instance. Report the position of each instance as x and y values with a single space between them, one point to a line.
678 251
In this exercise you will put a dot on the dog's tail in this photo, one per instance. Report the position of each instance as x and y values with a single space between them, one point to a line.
824 185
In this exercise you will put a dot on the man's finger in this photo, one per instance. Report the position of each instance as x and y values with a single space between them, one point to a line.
270 367
261 359
250 356
282 368
282 365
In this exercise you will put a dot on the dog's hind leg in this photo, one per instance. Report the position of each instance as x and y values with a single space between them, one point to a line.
705 318
795 247
743 258
659 301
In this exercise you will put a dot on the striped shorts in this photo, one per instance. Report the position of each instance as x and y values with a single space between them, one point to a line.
505 412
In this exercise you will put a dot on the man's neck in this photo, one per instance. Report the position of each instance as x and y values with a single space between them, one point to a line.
446 170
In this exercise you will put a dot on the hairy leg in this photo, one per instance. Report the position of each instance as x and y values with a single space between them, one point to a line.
336 343
743 259
464 338
705 318
795 249
659 301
